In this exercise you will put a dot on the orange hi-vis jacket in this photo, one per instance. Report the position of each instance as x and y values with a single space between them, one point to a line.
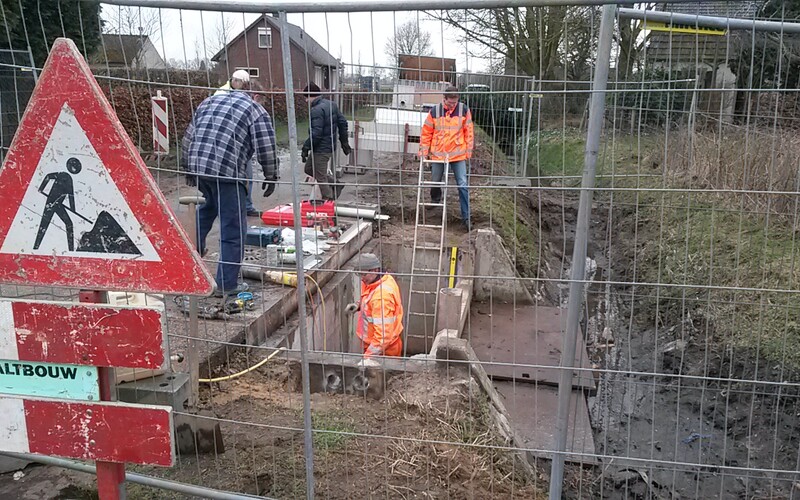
380 318
448 133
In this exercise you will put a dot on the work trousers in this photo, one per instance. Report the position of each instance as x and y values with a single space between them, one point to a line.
226 200
317 167
459 170
249 201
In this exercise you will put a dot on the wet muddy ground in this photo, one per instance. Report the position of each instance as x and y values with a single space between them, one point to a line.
696 414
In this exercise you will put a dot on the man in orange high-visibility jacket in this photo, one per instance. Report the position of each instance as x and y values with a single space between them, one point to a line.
380 311
448 135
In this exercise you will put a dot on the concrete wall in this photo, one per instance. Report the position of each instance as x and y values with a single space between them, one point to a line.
337 332
421 330
329 327
500 279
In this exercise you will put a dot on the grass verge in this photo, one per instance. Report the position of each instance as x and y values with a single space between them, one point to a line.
711 254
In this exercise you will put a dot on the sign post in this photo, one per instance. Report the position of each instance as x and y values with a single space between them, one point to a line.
160 125
82 211
110 475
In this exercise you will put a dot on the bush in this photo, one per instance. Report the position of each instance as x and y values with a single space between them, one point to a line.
131 102
657 100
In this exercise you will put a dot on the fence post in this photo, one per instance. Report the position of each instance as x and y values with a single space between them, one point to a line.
291 117
576 286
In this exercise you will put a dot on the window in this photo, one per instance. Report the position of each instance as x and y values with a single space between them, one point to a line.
252 71
265 38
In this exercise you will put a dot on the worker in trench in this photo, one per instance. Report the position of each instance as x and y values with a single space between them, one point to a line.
379 313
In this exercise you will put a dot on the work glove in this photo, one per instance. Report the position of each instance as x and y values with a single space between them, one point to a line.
268 187
346 149
368 363
351 308
304 155
270 178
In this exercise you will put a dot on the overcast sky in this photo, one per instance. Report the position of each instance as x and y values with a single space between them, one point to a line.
355 38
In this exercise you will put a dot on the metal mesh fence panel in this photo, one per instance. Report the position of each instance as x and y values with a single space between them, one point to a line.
633 185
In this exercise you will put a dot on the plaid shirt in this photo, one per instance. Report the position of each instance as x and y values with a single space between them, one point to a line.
226 131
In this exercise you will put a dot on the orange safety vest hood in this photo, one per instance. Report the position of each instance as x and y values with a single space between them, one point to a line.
380 318
448 133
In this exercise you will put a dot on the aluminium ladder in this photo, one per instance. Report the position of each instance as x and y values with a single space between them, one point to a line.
427 236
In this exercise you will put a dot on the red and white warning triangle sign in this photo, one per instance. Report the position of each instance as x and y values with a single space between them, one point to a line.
79 207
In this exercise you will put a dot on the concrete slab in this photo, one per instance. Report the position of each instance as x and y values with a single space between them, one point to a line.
533 410
9 464
504 336
167 390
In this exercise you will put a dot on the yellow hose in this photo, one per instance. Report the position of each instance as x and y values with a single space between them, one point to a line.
261 363
236 375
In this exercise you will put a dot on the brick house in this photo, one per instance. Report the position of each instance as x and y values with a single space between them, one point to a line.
127 52
257 49
427 68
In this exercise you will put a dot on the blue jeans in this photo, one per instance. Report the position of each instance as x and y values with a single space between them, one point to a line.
225 199
459 170
249 201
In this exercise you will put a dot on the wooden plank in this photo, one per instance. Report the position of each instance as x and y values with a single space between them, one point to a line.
113 432
81 334
48 380
509 340
534 410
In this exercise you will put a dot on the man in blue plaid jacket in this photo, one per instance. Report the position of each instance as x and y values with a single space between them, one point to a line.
225 133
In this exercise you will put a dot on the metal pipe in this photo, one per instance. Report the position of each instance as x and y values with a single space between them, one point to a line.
193 350
710 21
298 244
359 213
576 286
301 6
154 482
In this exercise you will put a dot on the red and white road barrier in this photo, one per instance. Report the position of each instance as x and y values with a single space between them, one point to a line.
160 125
81 334
88 431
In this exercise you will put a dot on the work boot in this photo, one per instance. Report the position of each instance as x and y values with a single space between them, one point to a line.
254 213
241 287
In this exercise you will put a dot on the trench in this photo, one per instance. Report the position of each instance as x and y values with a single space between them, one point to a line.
511 343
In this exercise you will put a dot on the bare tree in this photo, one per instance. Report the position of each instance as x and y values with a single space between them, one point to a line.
529 38
631 40
408 39
579 46
223 32
133 21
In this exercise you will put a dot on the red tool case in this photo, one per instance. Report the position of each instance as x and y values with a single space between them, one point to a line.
310 213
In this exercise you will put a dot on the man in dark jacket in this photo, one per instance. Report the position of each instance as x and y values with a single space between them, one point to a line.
326 123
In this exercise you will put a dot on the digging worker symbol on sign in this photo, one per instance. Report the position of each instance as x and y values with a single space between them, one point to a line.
105 236
60 193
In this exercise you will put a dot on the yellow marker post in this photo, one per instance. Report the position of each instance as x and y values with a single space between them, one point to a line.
453 255
689 29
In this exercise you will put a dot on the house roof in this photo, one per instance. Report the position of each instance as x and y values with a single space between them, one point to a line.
297 36
746 9
688 48
411 57
121 49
